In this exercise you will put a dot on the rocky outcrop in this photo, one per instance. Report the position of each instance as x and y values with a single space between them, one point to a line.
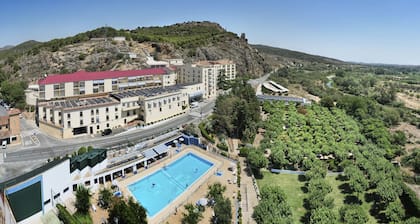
104 54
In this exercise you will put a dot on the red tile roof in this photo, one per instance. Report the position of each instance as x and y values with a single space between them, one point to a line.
84 76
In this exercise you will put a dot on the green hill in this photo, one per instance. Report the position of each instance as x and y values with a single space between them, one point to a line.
295 56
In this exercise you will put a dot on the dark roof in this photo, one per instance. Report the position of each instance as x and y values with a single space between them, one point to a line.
149 92
83 102
85 76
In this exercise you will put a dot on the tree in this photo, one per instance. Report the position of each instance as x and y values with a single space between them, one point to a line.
82 203
257 160
193 215
389 190
14 93
216 190
105 198
273 207
357 181
278 158
327 102
319 186
394 211
354 214
317 170
126 213
399 138
323 216
222 211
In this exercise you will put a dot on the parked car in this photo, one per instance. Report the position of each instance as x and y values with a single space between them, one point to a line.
106 132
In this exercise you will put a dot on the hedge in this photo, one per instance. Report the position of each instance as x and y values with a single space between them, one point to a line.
205 134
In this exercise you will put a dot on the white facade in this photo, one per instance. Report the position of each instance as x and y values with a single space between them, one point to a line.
207 72
55 188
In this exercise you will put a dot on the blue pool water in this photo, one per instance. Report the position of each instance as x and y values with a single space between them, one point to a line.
156 191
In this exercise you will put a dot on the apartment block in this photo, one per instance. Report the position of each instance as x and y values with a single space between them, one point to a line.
207 73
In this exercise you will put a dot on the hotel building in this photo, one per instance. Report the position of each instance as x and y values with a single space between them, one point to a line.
207 72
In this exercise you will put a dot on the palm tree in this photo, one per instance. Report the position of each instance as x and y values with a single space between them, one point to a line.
105 198
83 202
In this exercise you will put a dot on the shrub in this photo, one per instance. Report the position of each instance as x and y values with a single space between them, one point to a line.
223 146
64 215
205 134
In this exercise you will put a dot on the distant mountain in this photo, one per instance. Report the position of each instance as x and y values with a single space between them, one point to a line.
279 56
18 49
96 50
6 47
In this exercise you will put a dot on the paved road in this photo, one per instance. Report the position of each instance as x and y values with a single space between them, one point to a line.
49 147
256 83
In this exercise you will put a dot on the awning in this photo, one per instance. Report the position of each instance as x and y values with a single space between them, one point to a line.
160 149
149 153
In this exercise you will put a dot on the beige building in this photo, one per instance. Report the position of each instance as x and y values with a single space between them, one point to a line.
75 117
84 83
85 116
154 104
9 126
207 72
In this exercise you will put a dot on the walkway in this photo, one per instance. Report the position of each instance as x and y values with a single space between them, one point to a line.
248 193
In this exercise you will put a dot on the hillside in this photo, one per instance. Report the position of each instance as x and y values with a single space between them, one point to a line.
279 56
95 50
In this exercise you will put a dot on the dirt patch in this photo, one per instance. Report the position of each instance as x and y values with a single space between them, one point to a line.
415 188
411 102
297 91
412 133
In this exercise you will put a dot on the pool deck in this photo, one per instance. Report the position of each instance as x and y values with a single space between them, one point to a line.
199 185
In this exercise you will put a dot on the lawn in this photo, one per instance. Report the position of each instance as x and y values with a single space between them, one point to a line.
293 187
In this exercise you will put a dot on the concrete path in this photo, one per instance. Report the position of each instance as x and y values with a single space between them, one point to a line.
248 193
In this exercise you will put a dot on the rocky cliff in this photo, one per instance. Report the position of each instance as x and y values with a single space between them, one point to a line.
96 50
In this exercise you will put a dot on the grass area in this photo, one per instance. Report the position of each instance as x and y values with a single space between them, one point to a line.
293 187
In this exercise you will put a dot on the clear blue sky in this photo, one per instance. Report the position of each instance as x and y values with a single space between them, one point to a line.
380 31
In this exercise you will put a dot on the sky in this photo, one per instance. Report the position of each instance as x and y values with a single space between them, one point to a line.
371 31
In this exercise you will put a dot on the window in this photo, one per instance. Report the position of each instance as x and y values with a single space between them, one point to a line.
97 111
68 116
68 124
92 112
97 126
107 117
160 109
92 120
81 122
81 113
65 189
59 113
56 196
116 117
47 202
116 109
107 125
107 109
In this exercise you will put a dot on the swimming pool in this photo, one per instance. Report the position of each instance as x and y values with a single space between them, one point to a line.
160 188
